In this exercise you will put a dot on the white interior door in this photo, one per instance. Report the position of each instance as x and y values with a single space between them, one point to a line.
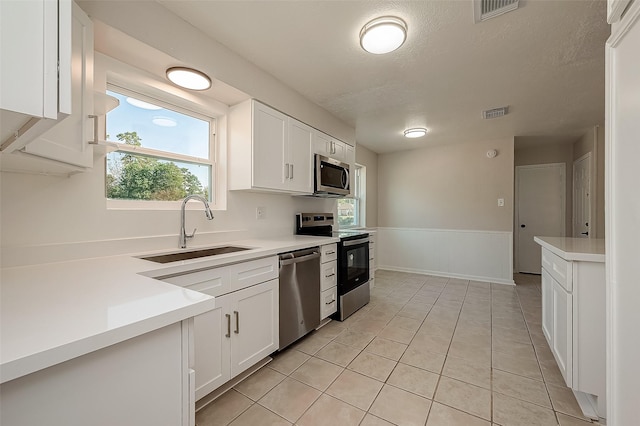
582 196
540 211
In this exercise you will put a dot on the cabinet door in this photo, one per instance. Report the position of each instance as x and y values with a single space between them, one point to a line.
339 150
562 334
300 139
321 143
270 156
29 81
547 306
212 334
67 141
254 325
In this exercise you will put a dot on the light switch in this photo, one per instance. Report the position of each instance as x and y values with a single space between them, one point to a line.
500 202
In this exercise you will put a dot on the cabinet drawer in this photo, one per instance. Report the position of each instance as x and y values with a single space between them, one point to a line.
328 275
328 302
558 268
243 275
213 282
328 253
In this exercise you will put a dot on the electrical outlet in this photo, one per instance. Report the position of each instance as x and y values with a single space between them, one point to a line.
500 202
261 213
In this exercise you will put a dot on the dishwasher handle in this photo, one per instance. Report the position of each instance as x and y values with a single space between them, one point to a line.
305 258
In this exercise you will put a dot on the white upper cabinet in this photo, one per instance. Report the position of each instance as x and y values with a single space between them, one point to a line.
45 78
51 121
268 150
300 158
324 144
29 49
68 141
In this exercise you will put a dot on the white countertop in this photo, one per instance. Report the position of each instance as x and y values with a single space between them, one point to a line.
577 249
54 312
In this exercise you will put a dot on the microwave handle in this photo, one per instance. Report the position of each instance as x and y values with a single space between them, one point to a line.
345 178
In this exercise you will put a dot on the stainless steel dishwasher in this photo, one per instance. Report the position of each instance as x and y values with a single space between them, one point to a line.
299 294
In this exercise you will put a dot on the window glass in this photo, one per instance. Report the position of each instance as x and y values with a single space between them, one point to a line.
158 127
163 154
350 210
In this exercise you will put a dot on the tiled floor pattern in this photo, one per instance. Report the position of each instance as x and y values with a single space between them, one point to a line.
425 350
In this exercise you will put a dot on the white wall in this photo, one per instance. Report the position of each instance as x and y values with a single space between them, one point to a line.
438 210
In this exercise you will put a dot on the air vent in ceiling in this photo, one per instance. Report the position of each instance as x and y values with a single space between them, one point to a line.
495 112
487 9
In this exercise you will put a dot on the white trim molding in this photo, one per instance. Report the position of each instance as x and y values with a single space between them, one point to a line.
621 200
468 254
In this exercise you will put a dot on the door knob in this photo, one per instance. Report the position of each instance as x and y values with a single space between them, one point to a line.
523 225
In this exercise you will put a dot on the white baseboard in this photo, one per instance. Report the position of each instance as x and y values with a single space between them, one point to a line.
440 274
468 254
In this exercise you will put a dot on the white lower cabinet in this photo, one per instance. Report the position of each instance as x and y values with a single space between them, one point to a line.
573 322
328 280
143 381
561 341
242 329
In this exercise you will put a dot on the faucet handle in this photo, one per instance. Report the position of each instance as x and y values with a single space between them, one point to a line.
192 234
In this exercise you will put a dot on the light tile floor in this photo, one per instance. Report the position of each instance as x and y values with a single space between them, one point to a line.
425 351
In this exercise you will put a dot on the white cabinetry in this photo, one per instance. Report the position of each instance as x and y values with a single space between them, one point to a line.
328 280
324 144
573 322
242 329
268 150
67 102
142 381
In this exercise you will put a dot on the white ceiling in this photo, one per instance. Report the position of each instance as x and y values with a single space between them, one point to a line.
544 60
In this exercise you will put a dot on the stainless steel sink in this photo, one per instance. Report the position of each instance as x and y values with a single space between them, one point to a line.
193 254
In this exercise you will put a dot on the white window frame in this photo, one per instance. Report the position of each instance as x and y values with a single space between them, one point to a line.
145 86
359 194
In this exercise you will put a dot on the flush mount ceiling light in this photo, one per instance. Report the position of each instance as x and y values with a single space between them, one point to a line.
188 78
383 35
417 132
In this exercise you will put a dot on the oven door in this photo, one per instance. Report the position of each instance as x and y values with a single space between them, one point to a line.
353 264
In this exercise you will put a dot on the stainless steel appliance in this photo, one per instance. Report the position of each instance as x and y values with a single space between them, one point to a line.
353 260
353 273
299 294
331 177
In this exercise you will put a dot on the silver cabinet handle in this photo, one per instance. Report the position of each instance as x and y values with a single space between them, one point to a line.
286 171
330 275
237 331
329 303
291 174
330 252
228 325
95 129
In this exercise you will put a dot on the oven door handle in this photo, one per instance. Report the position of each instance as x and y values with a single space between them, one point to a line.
355 242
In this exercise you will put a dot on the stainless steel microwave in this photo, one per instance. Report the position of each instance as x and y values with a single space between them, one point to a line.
331 177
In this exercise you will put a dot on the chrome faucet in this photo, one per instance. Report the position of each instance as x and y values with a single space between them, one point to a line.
183 233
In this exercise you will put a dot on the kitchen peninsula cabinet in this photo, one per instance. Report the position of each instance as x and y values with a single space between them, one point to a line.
268 150
573 315
141 381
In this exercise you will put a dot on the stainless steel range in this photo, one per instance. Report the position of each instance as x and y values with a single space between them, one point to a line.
353 260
